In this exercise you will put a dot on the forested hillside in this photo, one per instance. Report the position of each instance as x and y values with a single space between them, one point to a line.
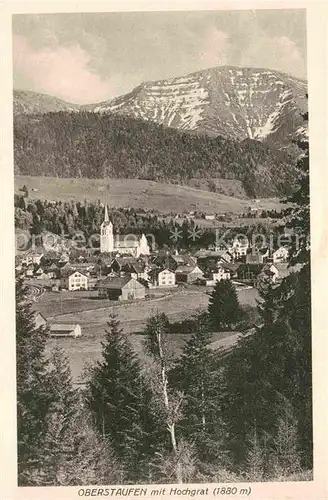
85 144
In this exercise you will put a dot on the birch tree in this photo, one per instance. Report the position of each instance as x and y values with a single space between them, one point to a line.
168 401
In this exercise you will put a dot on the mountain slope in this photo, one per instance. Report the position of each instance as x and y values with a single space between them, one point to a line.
28 102
238 103
87 144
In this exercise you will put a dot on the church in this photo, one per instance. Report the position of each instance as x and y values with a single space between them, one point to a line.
129 244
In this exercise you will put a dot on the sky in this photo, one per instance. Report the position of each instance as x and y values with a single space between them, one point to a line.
92 57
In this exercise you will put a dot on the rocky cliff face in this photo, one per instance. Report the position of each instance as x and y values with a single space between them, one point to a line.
238 103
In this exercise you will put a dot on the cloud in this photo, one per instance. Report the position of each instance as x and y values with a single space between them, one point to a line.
215 48
63 71
291 57
280 53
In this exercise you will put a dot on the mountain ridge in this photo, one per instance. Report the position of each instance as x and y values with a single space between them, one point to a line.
236 103
230 101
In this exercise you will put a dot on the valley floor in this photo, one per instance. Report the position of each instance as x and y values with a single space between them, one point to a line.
92 315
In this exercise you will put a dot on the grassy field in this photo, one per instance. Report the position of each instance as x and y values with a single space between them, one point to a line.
136 193
92 314
133 316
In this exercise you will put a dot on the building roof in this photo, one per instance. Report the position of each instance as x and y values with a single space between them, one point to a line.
37 313
233 267
187 269
282 247
116 283
183 259
251 266
211 253
83 265
224 267
158 270
123 241
53 267
63 327
77 271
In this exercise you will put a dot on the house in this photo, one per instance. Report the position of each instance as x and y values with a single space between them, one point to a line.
278 271
257 255
249 272
84 267
122 288
239 246
39 272
53 271
219 274
129 265
188 274
32 257
162 277
233 268
77 281
221 255
210 217
65 330
39 319
172 262
29 271
222 273
280 255
65 269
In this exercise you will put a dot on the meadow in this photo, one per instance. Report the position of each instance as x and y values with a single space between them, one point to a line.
137 194
133 317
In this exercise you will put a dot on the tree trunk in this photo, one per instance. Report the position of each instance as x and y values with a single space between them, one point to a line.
203 408
170 423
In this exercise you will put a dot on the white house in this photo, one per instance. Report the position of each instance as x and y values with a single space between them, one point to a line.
33 257
280 255
239 246
78 281
166 278
276 272
221 273
163 278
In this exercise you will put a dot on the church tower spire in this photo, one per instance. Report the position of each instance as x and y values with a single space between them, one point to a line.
106 214
106 234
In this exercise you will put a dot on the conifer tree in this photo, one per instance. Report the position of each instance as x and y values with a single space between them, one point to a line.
33 397
64 404
254 457
120 400
275 361
285 456
73 452
224 309
198 375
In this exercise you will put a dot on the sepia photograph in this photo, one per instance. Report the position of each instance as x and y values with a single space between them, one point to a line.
162 250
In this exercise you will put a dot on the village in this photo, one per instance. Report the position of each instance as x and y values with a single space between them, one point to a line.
127 270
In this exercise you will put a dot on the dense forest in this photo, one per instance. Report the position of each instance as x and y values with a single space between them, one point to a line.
90 145
69 219
204 416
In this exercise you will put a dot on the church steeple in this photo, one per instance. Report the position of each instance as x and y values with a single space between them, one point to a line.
106 234
106 214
